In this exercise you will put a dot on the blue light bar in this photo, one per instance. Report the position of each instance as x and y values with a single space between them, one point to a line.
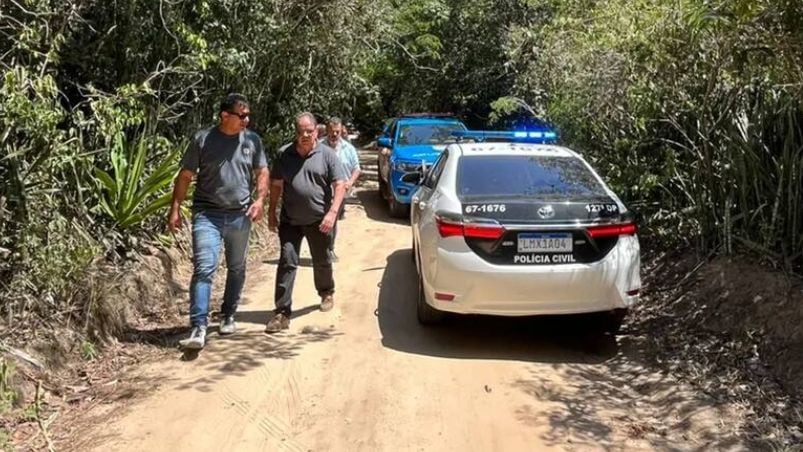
516 136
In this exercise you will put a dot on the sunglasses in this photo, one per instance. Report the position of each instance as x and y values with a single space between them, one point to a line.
242 116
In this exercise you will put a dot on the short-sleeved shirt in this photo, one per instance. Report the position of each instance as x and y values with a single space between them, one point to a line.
347 154
307 193
224 166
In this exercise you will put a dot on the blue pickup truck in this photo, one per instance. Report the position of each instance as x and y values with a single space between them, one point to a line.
410 143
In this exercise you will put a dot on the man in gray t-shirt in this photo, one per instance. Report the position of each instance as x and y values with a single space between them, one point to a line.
310 181
224 167
227 161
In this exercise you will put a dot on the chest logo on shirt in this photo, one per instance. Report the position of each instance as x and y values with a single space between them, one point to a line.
247 150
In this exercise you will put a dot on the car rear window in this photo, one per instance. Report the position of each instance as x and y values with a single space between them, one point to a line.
524 175
427 133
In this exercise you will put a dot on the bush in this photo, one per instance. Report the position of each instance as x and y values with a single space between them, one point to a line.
98 101
692 109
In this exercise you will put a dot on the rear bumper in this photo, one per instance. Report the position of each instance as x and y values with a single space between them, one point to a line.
482 288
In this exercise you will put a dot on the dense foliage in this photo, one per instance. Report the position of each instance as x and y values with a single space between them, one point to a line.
692 109
97 102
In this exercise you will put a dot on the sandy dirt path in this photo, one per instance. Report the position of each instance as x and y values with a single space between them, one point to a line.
367 377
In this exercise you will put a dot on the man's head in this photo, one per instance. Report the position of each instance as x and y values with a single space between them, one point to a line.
306 132
234 113
333 130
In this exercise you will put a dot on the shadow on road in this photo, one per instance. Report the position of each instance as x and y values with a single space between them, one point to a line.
376 208
261 317
551 339
600 390
302 261
169 337
601 406
242 353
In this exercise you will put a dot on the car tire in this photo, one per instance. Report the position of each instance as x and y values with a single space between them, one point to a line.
611 322
397 209
427 315
383 187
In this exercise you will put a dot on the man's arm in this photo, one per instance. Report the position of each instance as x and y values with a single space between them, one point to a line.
263 176
354 176
276 187
183 180
331 217
338 177
339 196
355 168
257 208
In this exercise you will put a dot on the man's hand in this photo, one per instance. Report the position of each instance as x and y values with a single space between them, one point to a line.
328 222
273 223
256 211
174 222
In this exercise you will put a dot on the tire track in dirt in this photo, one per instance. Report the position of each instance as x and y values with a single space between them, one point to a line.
275 430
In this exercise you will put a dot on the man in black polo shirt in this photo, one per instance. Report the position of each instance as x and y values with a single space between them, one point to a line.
309 178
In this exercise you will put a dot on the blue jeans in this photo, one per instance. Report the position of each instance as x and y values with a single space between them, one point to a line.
208 231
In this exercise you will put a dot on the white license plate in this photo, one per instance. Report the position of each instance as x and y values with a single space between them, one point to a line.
545 243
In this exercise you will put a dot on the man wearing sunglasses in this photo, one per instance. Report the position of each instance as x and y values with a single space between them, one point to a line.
227 161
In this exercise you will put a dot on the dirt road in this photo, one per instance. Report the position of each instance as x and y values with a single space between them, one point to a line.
367 377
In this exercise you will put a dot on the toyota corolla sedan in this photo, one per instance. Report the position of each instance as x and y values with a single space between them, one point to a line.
521 228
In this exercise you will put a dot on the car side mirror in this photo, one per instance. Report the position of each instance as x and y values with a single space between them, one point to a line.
424 169
385 142
412 178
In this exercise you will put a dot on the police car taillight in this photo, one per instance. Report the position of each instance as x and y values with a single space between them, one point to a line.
455 226
448 227
612 230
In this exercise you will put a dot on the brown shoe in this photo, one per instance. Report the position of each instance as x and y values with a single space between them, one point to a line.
327 302
279 322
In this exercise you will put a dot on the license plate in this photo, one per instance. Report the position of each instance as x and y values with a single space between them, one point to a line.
545 243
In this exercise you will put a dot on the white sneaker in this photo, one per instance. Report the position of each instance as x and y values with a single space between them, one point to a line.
197 339
227 326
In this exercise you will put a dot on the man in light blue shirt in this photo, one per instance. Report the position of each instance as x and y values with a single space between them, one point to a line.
350 164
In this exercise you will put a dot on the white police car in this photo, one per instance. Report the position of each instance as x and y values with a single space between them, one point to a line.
520 228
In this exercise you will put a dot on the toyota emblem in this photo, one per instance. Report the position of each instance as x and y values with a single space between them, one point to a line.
546 212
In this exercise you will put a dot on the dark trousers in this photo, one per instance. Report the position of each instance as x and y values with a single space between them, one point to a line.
340 216
290 237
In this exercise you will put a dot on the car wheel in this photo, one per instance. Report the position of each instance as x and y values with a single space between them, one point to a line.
397 209
611 322
383 188
427 315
